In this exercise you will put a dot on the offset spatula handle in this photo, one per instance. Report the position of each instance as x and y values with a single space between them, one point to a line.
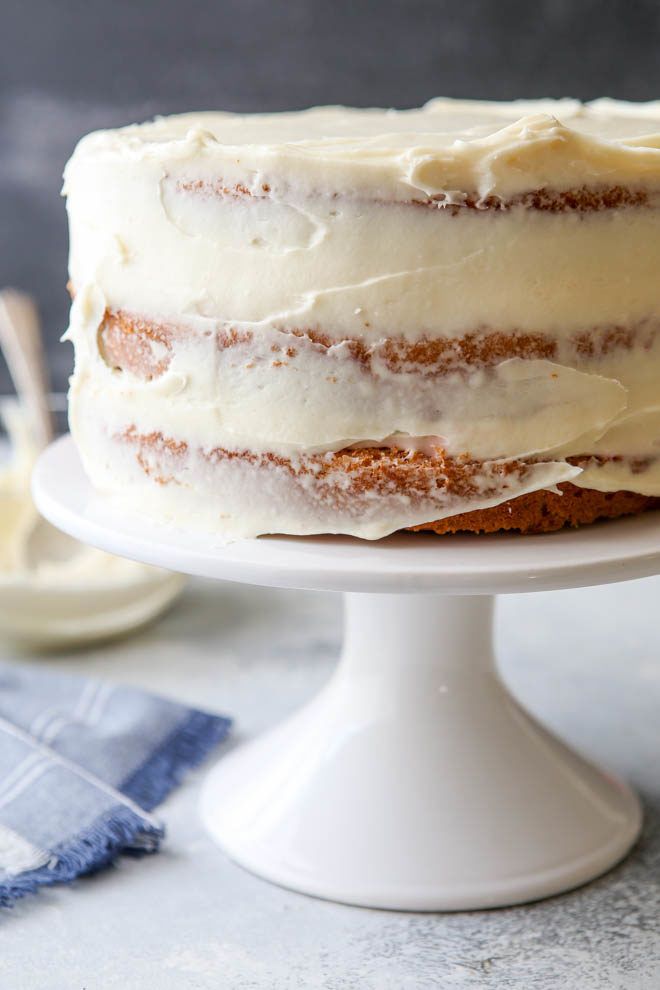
22 345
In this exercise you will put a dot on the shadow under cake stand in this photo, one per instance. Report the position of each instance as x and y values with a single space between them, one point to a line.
413 780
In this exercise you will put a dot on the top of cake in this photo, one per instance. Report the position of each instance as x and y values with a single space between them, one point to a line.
446 148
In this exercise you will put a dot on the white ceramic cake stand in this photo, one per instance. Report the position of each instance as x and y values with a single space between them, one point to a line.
413 780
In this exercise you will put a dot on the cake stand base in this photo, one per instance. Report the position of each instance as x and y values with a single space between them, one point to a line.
414 780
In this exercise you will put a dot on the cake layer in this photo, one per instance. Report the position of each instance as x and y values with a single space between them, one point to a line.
145 346
368 493
237 492
368 270
314 219
545 512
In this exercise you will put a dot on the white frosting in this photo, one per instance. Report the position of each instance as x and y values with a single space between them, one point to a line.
448 146
328 240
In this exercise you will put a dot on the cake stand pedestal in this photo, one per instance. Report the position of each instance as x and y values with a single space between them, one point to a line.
413 780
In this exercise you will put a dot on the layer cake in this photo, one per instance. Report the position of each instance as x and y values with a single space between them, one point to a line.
359 321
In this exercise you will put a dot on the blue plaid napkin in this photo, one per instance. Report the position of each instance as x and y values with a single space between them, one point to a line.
82 762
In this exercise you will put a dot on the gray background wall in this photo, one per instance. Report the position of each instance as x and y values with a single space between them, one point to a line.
68 66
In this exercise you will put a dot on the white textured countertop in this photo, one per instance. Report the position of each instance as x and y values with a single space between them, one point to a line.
587 662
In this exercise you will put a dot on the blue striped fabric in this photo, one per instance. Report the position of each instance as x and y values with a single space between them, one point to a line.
82 764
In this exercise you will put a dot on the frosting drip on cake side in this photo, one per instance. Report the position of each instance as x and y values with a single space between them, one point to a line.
253 295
